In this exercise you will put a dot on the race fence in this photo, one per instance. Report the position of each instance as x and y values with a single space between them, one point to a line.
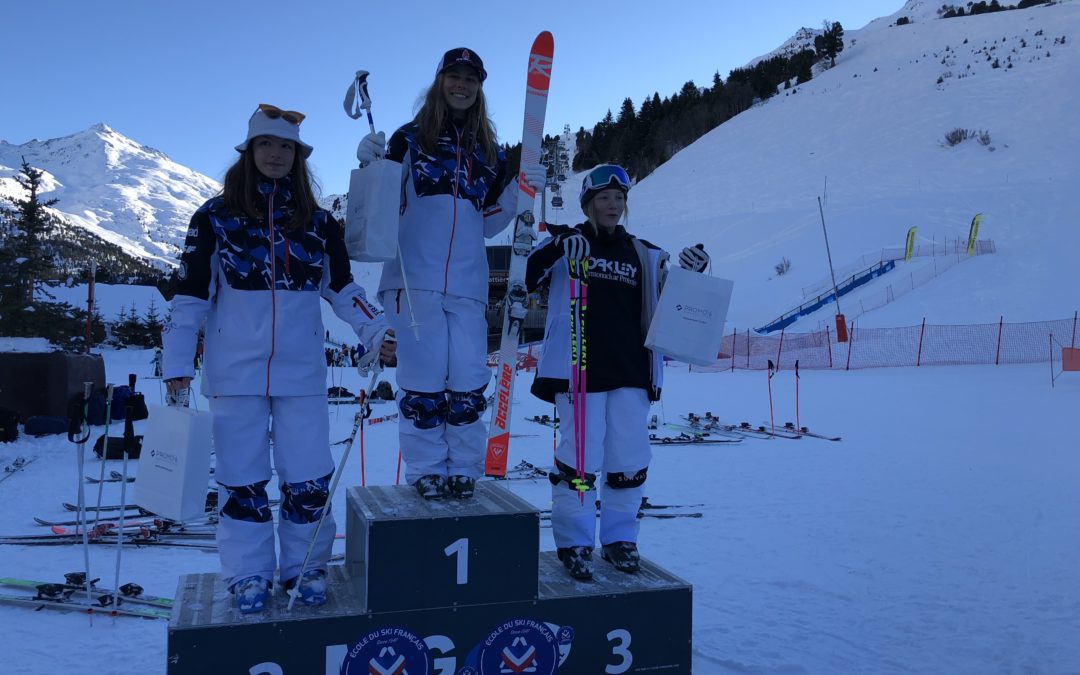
922 345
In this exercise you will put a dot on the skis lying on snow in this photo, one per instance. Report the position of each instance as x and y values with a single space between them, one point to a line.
75 581
66 597
115 478
690 439
803 431
142 537
71 602
545 516
14 466
546 420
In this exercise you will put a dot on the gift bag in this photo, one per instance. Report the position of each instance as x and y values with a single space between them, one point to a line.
175 463
371 220
688 324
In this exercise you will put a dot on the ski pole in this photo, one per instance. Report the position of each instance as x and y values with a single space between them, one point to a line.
575 373
104 450
294 592
583 299
128 447
397 478
358 90
75 425
772 422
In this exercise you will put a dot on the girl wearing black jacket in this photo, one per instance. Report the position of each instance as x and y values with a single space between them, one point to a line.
625 275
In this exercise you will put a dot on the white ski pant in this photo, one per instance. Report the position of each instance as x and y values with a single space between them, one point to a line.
301 454
449 356
616 441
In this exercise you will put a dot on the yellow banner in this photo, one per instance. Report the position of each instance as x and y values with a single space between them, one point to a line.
910 246
973 233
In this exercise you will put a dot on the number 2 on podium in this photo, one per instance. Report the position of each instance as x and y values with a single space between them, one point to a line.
461 549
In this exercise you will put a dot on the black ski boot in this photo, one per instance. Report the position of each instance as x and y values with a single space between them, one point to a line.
578 560
623 555
461 487
432 486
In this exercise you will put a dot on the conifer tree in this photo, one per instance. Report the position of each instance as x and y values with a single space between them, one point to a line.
830 42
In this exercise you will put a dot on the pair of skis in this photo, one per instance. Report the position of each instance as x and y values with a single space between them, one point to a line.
16 465
538 82
128 600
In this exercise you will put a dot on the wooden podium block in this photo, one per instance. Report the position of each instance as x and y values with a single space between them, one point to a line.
406 552
616 623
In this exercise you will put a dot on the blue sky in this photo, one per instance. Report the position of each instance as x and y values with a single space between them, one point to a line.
183 77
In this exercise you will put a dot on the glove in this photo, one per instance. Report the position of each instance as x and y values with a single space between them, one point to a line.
371 148
575 246
694 259
370 358
535 175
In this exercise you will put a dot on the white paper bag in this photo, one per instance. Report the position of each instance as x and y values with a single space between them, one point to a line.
175 463
371 220
689 321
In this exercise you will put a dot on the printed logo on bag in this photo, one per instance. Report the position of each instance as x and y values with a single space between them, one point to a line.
694 313
165 456
518 646
390 650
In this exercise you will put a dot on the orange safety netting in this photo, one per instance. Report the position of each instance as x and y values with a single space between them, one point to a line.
922 345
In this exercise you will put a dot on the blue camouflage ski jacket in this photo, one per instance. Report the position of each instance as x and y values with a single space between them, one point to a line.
450 201
255 286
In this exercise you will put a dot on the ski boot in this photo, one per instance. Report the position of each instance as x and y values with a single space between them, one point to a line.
461 487
623 555
578 560
252 594
432 486
311 589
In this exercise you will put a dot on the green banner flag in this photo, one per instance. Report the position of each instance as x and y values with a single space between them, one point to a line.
973 233
909 248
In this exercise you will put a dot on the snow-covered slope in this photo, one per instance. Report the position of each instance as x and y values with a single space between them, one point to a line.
128 194
869 136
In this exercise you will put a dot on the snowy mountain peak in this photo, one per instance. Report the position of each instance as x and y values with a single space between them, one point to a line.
129 194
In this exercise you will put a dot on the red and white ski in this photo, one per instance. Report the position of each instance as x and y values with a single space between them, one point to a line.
536 95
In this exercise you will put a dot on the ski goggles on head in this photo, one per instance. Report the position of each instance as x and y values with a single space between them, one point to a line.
602 177
273 112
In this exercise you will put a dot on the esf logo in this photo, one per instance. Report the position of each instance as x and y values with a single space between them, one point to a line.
389 650
518 646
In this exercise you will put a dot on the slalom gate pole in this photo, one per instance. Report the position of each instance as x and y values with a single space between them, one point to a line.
365 412
798 425
363 477
397 478
772 422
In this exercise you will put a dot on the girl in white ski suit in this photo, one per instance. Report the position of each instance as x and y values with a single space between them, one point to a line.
258 260
625 275
456 190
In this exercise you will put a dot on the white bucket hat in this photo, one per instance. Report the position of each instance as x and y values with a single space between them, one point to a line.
269 120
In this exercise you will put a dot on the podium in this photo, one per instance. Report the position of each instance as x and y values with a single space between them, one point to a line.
443 588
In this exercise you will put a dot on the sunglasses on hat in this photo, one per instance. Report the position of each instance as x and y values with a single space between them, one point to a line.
273 112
